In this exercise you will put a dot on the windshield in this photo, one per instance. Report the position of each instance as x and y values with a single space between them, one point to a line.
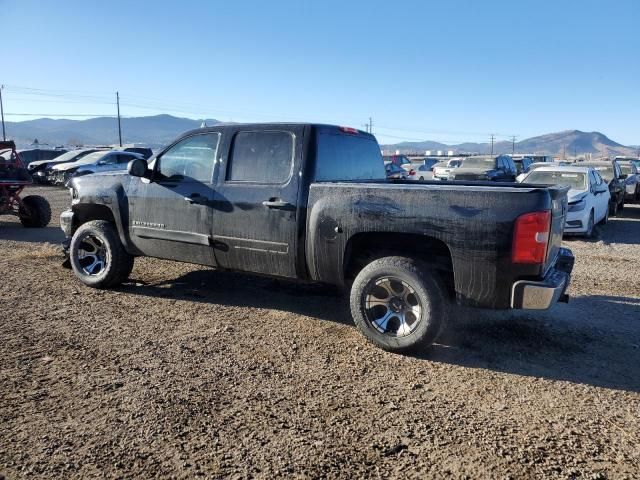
626 168
479 162
606 171
72 155
576 180
92 157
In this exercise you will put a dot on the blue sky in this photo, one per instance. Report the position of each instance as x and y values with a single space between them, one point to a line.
448 71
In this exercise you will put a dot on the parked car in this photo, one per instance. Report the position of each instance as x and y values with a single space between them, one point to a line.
144 151
396 172
442 170
588 195
421 173
522 164
400 160
30 155
230 196
100 161
486 168
632 180
612 174
41 170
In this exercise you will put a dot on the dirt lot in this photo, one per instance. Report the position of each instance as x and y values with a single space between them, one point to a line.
188 372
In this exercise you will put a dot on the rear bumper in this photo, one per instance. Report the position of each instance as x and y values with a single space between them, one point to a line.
541 294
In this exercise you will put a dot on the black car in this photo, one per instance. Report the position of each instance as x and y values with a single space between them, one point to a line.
522 164
144 151
311 202
611 173
395 171
486 168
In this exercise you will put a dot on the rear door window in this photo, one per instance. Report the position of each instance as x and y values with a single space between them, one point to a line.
261 157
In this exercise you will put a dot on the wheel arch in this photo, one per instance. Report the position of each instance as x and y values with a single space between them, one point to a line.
362 248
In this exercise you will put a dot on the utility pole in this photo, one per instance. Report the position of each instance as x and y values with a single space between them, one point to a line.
368 127
564 151
119 127
4 134
513 143
493 137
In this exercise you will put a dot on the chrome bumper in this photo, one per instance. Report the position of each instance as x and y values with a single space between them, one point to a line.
541 294
66 222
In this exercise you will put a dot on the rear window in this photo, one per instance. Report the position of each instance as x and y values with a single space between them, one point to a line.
348 157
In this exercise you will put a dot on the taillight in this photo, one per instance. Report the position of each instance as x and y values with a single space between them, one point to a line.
412 172
531 237
352 131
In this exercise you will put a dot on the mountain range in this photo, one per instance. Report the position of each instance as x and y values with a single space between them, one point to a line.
155 130
567 143
158 130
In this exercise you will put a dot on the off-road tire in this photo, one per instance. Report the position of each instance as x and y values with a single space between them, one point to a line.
35 212
429 291
118 262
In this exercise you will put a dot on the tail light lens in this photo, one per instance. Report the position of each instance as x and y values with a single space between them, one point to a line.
531 237
412 172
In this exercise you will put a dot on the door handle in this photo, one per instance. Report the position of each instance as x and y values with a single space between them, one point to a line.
195 198
276 203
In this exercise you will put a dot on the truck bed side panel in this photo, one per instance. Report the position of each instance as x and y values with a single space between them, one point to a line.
475 222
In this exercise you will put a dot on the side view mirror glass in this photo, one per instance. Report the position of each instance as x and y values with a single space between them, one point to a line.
137 168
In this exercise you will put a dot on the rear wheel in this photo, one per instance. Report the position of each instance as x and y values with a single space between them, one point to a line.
422 179
613 209
398 304
35 212
621 206
97 256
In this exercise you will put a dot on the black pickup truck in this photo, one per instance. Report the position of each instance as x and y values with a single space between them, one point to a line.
311 203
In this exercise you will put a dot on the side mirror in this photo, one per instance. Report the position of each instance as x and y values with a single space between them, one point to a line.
101 162
137 168
623 176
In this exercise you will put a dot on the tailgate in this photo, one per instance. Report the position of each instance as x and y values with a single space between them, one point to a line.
558 216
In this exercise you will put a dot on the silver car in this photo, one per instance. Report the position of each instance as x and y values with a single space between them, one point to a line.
103 161
631 181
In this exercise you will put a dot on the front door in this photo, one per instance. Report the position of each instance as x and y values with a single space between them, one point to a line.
255 214
171 214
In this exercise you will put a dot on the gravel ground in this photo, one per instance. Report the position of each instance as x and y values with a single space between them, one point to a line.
187 372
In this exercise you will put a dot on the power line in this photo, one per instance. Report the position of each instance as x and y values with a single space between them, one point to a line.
4 133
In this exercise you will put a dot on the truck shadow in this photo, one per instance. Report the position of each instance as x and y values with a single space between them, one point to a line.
594 340
14 231
578 343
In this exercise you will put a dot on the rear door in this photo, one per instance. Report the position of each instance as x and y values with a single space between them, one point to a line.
171 215
255 202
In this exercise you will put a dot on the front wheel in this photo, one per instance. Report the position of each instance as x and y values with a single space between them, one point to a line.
589 232
398 304
35 212
97 256
605 220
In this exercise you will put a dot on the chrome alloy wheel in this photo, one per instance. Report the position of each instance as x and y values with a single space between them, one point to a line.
92 255
392 307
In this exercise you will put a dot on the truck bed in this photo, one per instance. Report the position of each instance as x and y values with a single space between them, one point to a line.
473 221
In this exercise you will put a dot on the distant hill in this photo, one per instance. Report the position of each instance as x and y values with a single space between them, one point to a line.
569 141
155 130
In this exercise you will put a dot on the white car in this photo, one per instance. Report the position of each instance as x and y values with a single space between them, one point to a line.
420 173
442 170
588 195
100 161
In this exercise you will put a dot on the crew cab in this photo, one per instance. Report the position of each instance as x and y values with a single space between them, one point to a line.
311 203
